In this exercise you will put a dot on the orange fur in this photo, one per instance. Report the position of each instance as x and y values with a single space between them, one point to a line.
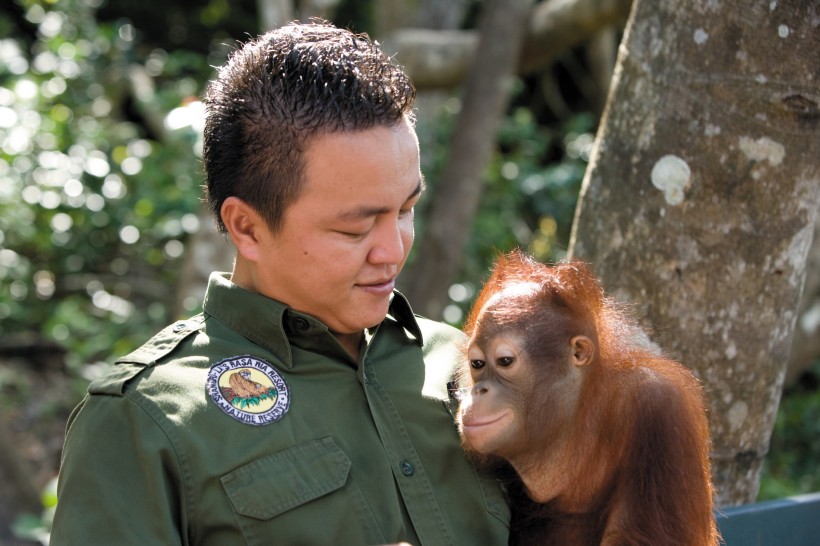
635 469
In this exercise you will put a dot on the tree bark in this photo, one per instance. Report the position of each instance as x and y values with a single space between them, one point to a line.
457 197
441 59
701 197
430 103
805 349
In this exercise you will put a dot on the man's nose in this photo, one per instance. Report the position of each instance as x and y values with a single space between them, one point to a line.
389 245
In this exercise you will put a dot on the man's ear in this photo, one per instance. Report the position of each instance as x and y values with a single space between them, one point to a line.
245 227
581 350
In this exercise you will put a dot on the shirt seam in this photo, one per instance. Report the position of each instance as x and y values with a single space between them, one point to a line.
406 442
156 416
286 359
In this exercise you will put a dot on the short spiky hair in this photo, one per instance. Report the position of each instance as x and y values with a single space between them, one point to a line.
278 91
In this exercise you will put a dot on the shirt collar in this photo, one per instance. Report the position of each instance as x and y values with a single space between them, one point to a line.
402 313
273 325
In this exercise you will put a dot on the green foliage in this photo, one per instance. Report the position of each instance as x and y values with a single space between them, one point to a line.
33 528
791 465
97 195
37 528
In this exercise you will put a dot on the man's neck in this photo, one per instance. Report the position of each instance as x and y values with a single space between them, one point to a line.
243 276
352 343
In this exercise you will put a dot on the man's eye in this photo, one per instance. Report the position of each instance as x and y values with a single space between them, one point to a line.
477 364
354 235
505 361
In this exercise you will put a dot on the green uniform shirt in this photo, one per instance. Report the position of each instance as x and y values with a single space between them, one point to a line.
250 424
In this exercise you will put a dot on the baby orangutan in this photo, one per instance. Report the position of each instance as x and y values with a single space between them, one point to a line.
608 441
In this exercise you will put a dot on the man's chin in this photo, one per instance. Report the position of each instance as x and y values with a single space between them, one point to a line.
376 312
360 324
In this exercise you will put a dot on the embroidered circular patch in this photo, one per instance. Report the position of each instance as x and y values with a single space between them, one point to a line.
249 390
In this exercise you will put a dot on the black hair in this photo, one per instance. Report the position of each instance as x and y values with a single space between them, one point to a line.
278 91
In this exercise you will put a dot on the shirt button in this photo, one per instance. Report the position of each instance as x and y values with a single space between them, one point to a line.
300 324
407 468
180 327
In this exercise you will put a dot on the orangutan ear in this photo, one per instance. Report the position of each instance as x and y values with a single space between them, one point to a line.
581 351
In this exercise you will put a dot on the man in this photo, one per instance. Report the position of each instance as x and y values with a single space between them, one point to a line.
306 404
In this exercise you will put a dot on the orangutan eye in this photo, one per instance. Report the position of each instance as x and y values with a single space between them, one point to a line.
477 364
505 361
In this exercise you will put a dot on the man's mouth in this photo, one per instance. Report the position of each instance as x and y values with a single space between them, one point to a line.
382 286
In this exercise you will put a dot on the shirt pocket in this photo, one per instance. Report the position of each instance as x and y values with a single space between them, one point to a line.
301 495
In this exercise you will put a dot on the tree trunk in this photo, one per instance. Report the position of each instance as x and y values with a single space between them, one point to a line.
274 13
444 17
700 200
206 251
322 9
805 349
457 197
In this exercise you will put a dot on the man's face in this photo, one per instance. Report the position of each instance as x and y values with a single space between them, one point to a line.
345 239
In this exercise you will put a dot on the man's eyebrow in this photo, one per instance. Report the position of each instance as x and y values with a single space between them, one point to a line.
367 212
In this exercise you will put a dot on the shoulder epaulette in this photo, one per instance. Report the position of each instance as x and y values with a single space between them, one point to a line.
164 342
154 350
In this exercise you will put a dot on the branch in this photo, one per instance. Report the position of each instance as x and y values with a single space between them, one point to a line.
557 25
441 59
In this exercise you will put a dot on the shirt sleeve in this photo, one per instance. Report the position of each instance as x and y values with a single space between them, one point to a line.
120 479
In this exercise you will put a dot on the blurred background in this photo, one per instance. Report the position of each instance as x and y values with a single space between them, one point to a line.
104 240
